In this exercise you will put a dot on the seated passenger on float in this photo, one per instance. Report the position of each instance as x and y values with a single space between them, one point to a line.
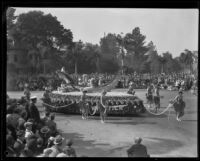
131 88
91 85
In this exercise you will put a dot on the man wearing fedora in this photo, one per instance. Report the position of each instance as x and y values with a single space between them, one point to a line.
19 144
44 133
137 150
33 110
57 147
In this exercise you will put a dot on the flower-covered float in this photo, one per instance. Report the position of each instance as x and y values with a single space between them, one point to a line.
66 100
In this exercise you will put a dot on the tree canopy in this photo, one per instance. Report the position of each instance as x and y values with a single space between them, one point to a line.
50 45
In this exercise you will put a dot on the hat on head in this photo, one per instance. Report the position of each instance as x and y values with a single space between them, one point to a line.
33 98
30 120
28 124
58 139
44 130
69 142
40 141
138 140
20 133
51 138
47 151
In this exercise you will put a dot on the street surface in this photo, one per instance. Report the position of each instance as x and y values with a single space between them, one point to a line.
162 137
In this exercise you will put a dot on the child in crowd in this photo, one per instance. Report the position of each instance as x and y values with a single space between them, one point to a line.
69 150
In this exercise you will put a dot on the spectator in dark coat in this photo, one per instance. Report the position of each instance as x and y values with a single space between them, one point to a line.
137 150
40 146
46 117
30 149
34 113
52 125
69 150
10 152
45 134
19 143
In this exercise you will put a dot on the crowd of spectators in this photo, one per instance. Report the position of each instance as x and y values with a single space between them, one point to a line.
30 135
171 81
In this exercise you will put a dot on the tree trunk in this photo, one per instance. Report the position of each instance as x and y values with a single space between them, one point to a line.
98 66
162 70
122 65
44 69
76 69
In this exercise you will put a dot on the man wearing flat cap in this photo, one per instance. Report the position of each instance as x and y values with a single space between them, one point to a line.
28 127
19 143
137 150
33 110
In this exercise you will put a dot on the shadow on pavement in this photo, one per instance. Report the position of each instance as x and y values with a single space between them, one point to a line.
161 146
132 122
87 147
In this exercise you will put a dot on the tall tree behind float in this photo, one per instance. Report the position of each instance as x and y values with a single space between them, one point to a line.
35 31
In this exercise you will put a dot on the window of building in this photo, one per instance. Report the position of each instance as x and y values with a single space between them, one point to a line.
15 58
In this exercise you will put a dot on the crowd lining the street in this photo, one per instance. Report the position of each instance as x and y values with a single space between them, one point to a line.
30 135
171 81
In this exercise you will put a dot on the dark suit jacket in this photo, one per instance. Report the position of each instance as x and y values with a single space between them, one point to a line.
34 113
18 147
137 150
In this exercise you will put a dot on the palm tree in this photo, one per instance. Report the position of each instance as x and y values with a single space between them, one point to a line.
163 62
76 54
96 58
188 59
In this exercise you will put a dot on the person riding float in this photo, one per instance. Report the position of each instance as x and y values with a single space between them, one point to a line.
131 88
66 77
178 105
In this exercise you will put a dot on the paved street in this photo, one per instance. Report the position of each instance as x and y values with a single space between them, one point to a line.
163 137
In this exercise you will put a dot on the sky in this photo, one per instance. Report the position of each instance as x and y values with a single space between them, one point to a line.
172 30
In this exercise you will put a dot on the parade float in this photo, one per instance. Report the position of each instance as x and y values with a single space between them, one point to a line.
66 99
